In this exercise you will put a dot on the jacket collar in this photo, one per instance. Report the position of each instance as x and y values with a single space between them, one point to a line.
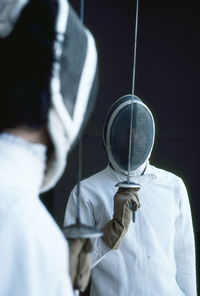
147 176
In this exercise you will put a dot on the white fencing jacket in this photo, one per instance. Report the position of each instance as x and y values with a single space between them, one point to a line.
33 251
157 256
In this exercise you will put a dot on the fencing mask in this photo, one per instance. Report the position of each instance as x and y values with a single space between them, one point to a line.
116 134
72 78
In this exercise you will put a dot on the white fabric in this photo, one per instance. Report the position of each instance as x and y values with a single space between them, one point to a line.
157 256
33 251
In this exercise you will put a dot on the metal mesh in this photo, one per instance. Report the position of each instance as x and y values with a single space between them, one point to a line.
142 136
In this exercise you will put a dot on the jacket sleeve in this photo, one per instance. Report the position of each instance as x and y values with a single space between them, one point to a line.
87 217
185 246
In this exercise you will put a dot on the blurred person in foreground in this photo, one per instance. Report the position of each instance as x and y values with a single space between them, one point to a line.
47 71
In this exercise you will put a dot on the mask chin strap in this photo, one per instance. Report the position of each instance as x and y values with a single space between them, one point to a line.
128 183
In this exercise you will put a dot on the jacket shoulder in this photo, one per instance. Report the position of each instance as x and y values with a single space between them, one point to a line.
98 177
165 175
96 182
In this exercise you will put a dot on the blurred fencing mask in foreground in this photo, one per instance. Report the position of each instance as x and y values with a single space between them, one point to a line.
52 51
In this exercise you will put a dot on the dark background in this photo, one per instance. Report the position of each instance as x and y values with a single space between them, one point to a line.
167 80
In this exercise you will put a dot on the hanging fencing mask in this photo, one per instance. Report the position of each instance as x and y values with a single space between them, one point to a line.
72 79
116 134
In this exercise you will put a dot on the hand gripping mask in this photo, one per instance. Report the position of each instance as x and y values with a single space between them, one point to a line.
72 81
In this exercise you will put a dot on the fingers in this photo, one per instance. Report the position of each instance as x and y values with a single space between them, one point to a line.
88 246
127 196
76 245
135 201
131 195
83 272
80 262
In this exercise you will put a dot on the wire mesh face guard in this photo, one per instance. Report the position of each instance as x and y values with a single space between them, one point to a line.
117 132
